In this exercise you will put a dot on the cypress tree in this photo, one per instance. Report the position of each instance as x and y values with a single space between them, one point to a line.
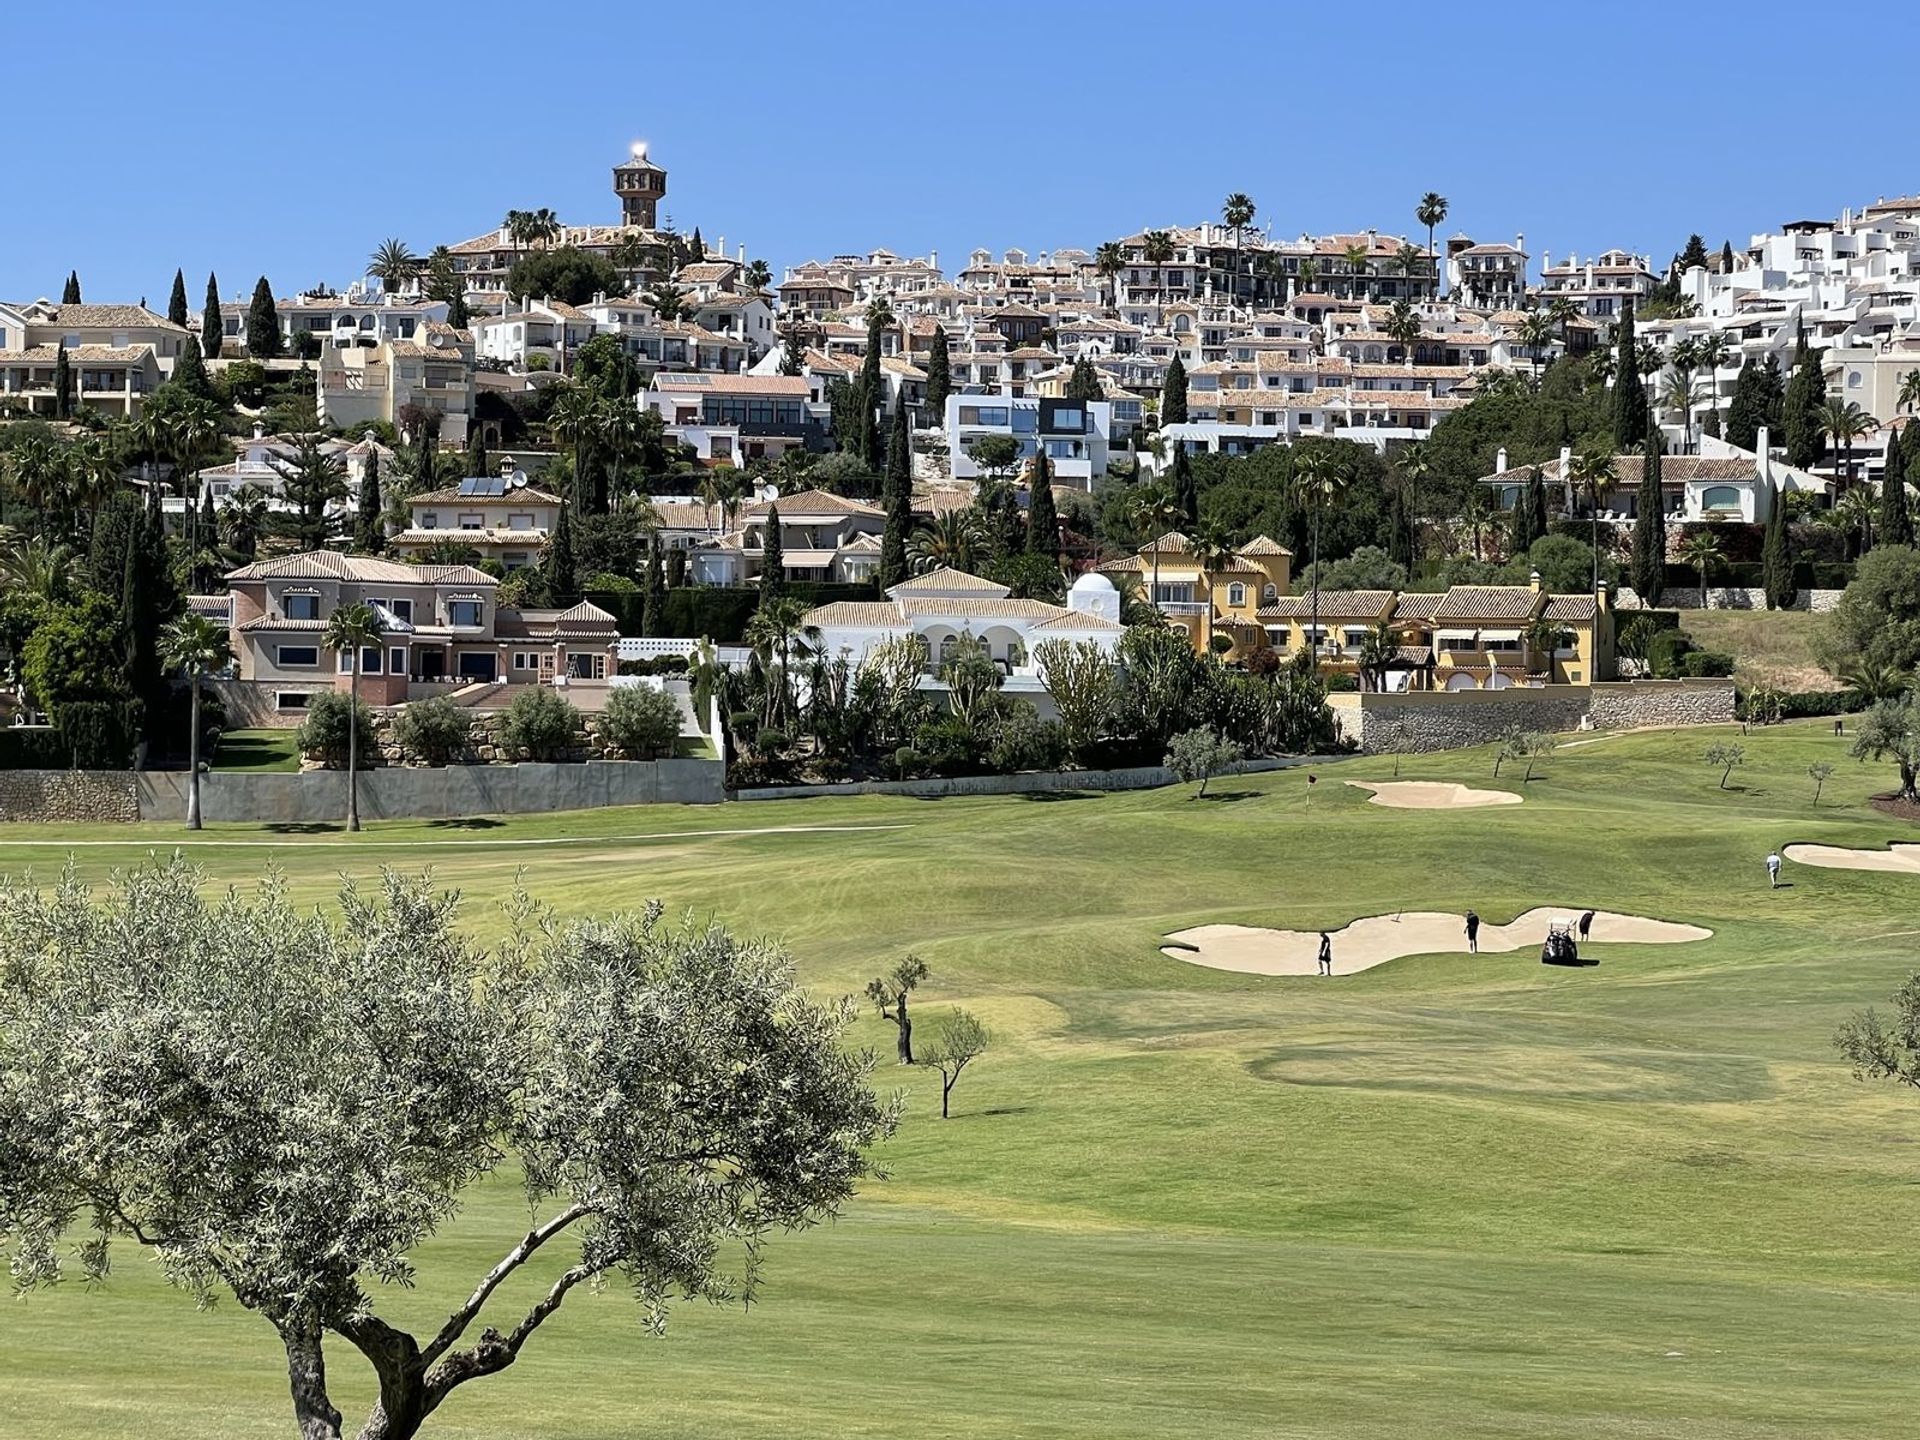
1520 531
1896 519
1910 447
190 371
206 543
477 460
212 330
1630 419
1773 397
559 560
773 573
263 323
62 384
873 391
676 568
177 301
1649 568
457 315
697 248
1173 395
1186 493
893 541
1084 383
71 295
1776 554
1537 500
1747 411
1806 390
1043 522
653 597
899 472
370 536
1726 257
939 377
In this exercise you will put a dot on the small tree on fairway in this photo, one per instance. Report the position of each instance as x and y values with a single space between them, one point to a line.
1723 757
1540 746
1200 754
960 1041
1819 772
1878 1049
1891 731
1513 746
889 994
198 646
285 1105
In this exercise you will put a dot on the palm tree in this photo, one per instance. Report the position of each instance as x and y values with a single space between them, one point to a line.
1403 325
1712 350
245 521
1910 391
1157 247
1238 211
1681 390
197 645
38 470
1855 513
1432 212
1876 680
1309 272
393 264
1153 510
1416 468
94 466
757 276
1319 475
1843 421
1409 259
1702 551
1356 257
1108 261
36 566
950 540
1211 547
351 629
1479 510
778 635
544 227
1535 331
574 420
1591 470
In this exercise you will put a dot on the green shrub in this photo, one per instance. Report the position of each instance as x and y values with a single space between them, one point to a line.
635 667
539 725
96 734
1666 653
324 731
640 722
31 747
435 730
1023 741
1698 663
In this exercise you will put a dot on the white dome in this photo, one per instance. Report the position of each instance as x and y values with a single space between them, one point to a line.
1094 594
1094 583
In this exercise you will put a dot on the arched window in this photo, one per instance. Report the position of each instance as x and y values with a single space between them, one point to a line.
1270 593
1236 594
1720 497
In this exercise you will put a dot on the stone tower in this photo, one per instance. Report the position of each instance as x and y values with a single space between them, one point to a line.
641 185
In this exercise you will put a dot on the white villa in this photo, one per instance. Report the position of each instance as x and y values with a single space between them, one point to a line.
942 606
823 536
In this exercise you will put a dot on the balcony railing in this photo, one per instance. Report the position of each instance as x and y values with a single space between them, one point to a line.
1185 607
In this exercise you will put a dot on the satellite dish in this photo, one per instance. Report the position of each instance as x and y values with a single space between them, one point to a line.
519 480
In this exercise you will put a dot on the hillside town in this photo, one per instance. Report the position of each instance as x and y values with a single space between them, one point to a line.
555 452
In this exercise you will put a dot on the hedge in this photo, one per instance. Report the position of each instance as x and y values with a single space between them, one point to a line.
32 747
1805 704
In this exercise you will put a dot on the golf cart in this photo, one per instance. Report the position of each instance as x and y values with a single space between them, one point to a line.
1559 947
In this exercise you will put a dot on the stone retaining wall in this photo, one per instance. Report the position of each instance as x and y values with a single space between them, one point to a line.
1726 597
1142 777
1421 721
42 795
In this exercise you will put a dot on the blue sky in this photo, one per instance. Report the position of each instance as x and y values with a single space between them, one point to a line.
292 140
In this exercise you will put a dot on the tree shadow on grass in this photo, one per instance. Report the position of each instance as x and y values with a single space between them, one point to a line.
466 822
1048 796
1228 797
305 827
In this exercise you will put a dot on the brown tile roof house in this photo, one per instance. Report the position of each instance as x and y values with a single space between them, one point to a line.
1487 602
331 565
812 502
525 495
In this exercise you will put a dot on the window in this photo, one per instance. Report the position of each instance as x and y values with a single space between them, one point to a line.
397 660
983 415
520 522
586 666
471 521
1236 594
301 607
292 700
464 614
1720 497
369 661
297 657
429 520
477 664
402 610
1270 593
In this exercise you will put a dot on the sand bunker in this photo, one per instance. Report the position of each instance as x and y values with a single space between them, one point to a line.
1904 859
1432 795
1380 938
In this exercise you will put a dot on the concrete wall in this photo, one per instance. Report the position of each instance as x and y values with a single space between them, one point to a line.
1144 777
100 795
1423 721
319 796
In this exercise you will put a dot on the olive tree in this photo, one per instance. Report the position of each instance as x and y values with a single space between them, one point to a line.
960 1041
641 723
1724 756
1891 731
1881 1049
284 1105
889 994
1200 754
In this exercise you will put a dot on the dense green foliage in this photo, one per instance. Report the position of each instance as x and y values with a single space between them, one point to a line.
640 722
569 275
540 725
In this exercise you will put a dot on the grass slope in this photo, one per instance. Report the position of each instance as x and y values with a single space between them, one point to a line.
1773 646
1446 1197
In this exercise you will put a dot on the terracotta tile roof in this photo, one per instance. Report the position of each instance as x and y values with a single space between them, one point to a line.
863 614
525 496
1487 602
108 317
1080 620
811 502
1418 606
944 580
1264 545
1334 604
712 383
1571 607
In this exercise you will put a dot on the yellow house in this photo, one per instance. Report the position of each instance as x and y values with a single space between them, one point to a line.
1223 599
1335 624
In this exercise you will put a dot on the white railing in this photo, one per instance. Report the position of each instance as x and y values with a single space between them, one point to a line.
1184 607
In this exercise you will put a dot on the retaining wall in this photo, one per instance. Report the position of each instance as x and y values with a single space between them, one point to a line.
1421 721
98 795
320 796
1142 777
1727 597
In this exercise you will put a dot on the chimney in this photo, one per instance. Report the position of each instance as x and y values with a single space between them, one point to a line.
1761 441
1500 461
1533 581
1566 475
1602 597
743 254
1520 241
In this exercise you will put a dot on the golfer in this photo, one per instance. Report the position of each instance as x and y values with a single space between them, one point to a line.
1773 870
1473 933
1326 954
1586 924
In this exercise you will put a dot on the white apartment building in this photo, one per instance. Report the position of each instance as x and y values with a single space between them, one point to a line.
117 355
1074 433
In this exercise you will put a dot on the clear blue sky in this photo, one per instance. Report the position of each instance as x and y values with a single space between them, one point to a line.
284 139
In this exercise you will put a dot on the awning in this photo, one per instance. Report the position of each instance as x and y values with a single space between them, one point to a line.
1499 634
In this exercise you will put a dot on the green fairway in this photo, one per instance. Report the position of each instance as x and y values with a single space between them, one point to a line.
257 750
1446 1197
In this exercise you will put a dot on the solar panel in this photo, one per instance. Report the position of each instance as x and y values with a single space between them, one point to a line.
483 487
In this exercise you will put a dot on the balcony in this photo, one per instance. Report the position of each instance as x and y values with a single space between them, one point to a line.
1184 607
